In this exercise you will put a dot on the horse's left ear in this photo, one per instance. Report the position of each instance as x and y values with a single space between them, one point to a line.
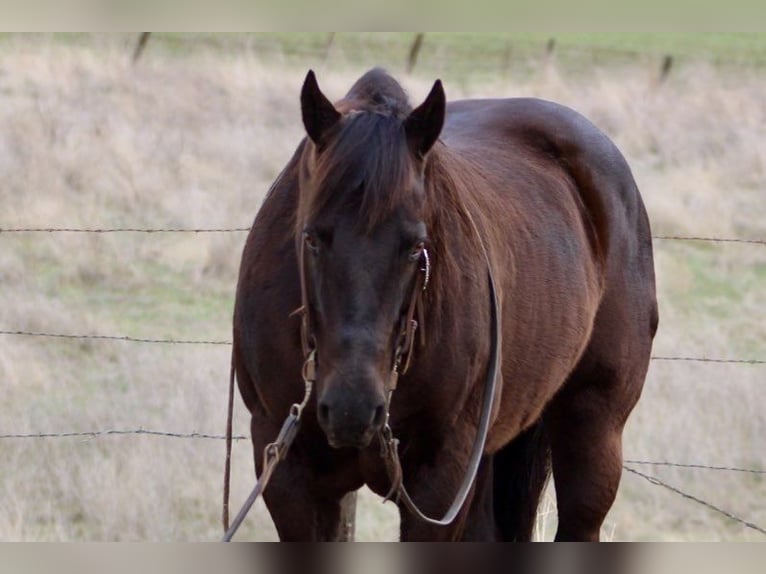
319 115
424 124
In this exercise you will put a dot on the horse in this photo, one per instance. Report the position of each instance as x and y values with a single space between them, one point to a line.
498 247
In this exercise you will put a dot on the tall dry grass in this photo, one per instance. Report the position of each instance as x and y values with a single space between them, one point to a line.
88 141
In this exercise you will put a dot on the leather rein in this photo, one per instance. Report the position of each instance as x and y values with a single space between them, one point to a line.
275 451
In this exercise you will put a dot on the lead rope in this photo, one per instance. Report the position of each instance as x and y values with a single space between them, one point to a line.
275 451
390 445
227 466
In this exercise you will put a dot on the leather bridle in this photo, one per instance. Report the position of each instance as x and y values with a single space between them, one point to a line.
408 325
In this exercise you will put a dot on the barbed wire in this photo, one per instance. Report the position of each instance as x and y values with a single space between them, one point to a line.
131 339
115 338
107 432
151 230
122 230
694 466
657 482
213 436
710 360
709 239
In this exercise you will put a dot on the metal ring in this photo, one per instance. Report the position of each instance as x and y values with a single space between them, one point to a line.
426 269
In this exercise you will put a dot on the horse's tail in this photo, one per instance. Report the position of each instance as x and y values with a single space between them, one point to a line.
521 471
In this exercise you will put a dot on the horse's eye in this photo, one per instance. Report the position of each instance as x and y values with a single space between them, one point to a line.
417 251
310 242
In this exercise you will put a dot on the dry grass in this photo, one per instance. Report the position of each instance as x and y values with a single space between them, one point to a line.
88 141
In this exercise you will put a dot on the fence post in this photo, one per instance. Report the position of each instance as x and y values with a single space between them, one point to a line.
550 47
140 45
667 64
550 51
414 51
348 517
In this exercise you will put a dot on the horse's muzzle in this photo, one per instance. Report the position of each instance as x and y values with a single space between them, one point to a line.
350 420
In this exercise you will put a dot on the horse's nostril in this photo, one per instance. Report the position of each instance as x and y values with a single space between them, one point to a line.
379 417
323 413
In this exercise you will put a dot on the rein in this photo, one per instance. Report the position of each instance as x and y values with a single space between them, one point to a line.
390 448
274 452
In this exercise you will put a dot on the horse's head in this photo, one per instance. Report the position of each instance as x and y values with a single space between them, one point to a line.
361 240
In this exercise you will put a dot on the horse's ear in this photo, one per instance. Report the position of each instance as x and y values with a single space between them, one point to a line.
424 124
319 115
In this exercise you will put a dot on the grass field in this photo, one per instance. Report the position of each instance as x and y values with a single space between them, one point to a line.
192 136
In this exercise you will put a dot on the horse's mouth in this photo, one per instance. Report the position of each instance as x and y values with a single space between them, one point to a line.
358 441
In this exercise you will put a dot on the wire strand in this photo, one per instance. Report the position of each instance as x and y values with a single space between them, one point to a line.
709 239
107 432
657 482
120 230
201 435
151 230
710 360
115 338
130 339
695 466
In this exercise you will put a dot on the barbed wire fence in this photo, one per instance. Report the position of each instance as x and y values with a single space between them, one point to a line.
627 466
502 56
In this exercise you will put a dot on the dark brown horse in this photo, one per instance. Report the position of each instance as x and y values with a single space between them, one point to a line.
523 188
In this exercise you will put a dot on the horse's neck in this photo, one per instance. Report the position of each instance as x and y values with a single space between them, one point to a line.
456 224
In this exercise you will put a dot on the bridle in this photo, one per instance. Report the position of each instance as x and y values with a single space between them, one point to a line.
408 325
402 360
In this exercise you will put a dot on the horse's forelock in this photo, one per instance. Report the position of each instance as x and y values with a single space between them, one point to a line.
366 168
378 91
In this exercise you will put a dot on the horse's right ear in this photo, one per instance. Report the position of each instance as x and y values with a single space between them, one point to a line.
424 124
319 115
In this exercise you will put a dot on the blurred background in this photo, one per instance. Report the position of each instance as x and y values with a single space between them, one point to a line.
158 132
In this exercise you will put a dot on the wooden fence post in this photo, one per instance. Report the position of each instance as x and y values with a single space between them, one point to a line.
667 64
414 51
140 45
